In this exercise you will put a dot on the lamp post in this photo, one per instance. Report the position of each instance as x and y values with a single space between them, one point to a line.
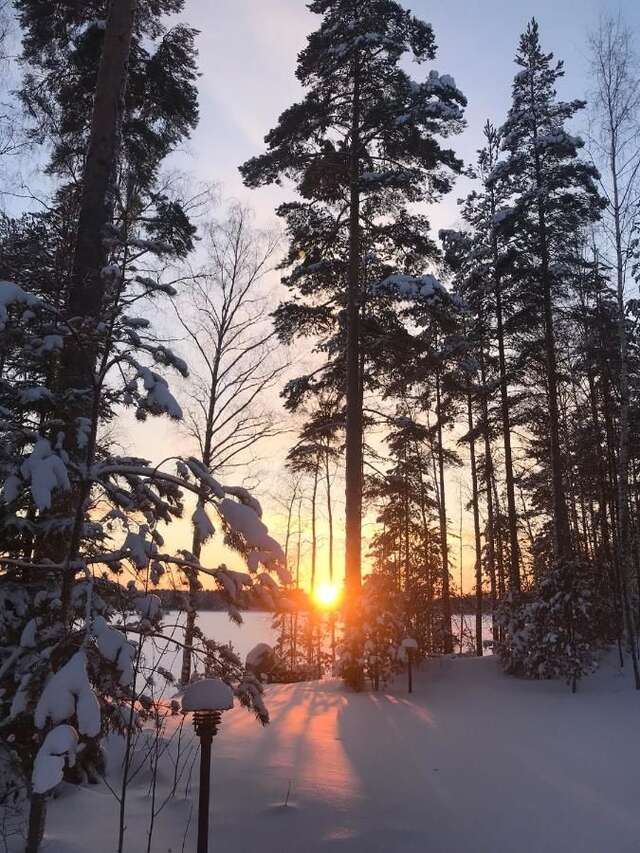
409 645
207 699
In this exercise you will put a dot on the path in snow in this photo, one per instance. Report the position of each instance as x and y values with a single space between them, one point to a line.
472 761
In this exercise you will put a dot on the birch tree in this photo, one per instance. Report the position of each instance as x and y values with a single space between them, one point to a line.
615 74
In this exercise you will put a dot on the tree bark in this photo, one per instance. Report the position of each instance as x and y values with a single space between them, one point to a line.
86 293
488 478
354 430
561 531
444 543
476 528
514 547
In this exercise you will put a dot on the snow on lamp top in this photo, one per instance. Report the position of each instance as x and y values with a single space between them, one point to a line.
209 694
409 643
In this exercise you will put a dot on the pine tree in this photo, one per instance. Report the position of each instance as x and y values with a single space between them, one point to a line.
359 147
406 548
76 513
553 195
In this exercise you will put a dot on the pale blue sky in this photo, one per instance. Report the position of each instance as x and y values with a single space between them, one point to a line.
248 51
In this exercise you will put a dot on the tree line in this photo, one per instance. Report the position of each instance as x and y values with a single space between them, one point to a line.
522 366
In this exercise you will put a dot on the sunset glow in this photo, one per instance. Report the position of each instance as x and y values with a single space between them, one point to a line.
326 595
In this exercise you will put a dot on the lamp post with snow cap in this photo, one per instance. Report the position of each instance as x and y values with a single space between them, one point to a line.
207 699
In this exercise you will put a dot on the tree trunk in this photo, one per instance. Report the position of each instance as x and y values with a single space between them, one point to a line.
37 820
561 532
514 548
476 528
444 544
86 292
354 431
332 616
488 478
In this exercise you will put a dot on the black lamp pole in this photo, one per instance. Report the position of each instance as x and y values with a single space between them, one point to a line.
410 669
206 725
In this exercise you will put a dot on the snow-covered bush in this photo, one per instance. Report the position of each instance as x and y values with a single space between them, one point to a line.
556 629
374 648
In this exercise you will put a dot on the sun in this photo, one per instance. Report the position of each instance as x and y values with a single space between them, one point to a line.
326 595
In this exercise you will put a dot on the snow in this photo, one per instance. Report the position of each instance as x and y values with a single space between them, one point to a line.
13 294
28 636
425 288
203 474
34 394
50 343
68 693
471 760
203 524
46 472
159 397
502 214
245 497
149 606
115 647
208 694
83 431
59 746
244 520
138 548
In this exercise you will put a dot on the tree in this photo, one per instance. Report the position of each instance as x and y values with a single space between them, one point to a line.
226 323
77 513
360 146
406 548
553 194
487 255
616 122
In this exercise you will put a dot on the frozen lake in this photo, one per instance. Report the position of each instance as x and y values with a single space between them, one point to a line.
256 628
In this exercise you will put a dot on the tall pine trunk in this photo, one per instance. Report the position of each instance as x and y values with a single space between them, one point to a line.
444 542
561 531
488 479
514 548
86 293
332 616
476 527
353 473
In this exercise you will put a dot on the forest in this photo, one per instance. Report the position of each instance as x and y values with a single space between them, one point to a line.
411 454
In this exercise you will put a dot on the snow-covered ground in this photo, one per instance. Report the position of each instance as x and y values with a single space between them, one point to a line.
472 761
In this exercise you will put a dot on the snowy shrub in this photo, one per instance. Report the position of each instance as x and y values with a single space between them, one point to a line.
374 648
556 630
